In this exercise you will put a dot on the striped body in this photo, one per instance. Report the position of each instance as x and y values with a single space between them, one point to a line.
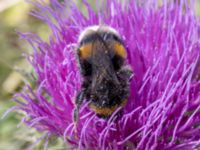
101 55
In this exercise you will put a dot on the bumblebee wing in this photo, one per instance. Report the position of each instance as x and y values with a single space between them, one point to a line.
102 67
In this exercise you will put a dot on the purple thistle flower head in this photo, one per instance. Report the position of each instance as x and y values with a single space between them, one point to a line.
163 46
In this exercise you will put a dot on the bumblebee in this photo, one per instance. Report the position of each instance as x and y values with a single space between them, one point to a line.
106 75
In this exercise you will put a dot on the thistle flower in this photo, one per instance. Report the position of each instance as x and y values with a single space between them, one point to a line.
163 45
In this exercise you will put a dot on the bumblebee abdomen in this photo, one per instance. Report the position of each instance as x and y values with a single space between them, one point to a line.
106 111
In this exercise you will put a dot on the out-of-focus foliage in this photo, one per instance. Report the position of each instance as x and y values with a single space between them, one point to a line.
14 16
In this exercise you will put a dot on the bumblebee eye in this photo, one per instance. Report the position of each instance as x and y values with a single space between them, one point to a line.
117 62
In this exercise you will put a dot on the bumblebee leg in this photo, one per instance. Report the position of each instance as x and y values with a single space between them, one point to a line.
78 101
76 114
125 73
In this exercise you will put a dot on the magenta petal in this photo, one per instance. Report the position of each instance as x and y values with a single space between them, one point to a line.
163 44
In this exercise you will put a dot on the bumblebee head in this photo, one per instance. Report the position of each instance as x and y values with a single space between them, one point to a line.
99 36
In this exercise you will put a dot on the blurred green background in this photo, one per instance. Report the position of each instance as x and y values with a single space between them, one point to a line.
14 16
